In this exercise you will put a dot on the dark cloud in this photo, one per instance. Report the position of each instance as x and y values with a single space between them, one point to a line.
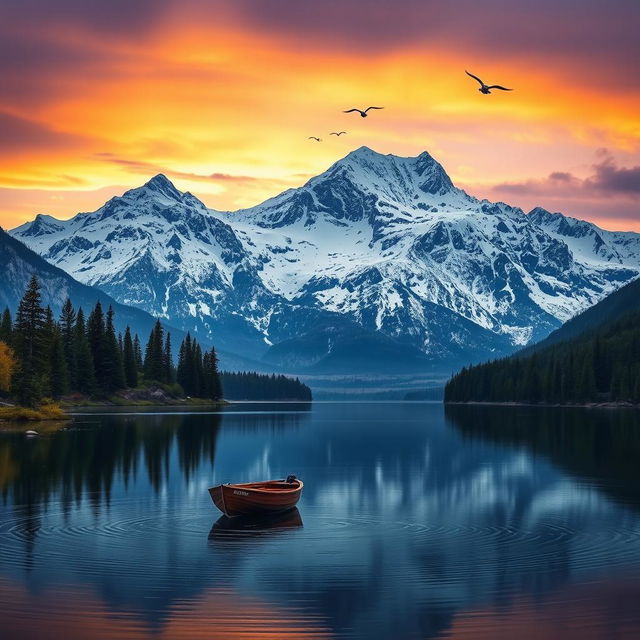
607 180
561 176
115 17
611 179
44 44
19 134
592 41
33 69
598 38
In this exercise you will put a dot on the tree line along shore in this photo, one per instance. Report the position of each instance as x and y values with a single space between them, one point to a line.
74 359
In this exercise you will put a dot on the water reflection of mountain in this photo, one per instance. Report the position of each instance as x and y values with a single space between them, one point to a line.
599 445
408 523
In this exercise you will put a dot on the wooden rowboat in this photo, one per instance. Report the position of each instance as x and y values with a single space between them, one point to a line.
249 498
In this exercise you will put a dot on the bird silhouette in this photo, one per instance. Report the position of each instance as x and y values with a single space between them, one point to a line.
486 88
337 133
364 113
314 138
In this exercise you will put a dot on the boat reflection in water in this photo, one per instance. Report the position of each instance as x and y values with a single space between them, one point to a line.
248 526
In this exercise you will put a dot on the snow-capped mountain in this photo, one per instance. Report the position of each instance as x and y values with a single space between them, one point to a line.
380 256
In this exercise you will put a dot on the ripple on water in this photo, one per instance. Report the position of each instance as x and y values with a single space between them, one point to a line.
476 545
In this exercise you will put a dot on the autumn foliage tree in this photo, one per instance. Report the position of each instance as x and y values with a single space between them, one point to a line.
7 366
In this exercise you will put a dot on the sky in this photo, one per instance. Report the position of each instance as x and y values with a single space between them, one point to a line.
221 95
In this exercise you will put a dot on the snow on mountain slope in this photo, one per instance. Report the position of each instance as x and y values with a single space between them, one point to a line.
376 243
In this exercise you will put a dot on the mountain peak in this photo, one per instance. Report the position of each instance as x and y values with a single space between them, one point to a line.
161 184
432 178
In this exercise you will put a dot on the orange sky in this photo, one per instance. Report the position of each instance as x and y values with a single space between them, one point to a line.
221 97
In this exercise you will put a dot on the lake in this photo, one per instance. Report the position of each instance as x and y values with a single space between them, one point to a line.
416 521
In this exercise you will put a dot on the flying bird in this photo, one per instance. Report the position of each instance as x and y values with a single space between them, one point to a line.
362 113
314 138
337 133
486 88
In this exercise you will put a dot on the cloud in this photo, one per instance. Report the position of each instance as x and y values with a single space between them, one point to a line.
598 40
150 168
113 18
20 135
611 179
607 180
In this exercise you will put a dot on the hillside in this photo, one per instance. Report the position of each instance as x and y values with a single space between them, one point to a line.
18 263
625 300
594 358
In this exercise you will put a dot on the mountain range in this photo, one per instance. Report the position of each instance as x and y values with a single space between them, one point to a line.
19 263
380 263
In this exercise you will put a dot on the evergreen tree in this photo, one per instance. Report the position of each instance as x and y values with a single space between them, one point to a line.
129 360
213 384
96 338
47 343
28 343
168 360
256 386
86 381
137 350
67 329
59 379
154 354
6 328
185 372
114 370
198 370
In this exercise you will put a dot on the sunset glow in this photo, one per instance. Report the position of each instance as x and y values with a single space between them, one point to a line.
221 96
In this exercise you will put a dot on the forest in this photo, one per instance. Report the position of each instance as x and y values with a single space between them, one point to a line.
43 357
258 386
599 365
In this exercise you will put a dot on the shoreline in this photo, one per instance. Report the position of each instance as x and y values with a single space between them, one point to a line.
15 414
556 405
104 404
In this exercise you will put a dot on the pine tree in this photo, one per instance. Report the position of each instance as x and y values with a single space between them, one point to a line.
137 350
129 360
59 378
28 343
154 354
185 366
114 370
213 385
47 342
67 329
198 370
6 329
95 336
168 360
86 381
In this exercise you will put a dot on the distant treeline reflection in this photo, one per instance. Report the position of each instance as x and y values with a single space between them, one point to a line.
87 459
602 445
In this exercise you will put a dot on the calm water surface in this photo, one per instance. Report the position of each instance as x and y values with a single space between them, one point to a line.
415 522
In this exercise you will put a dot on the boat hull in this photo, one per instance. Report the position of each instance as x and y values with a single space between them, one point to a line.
256 498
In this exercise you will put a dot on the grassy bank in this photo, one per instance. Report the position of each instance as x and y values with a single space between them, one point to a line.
50 411
150 396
